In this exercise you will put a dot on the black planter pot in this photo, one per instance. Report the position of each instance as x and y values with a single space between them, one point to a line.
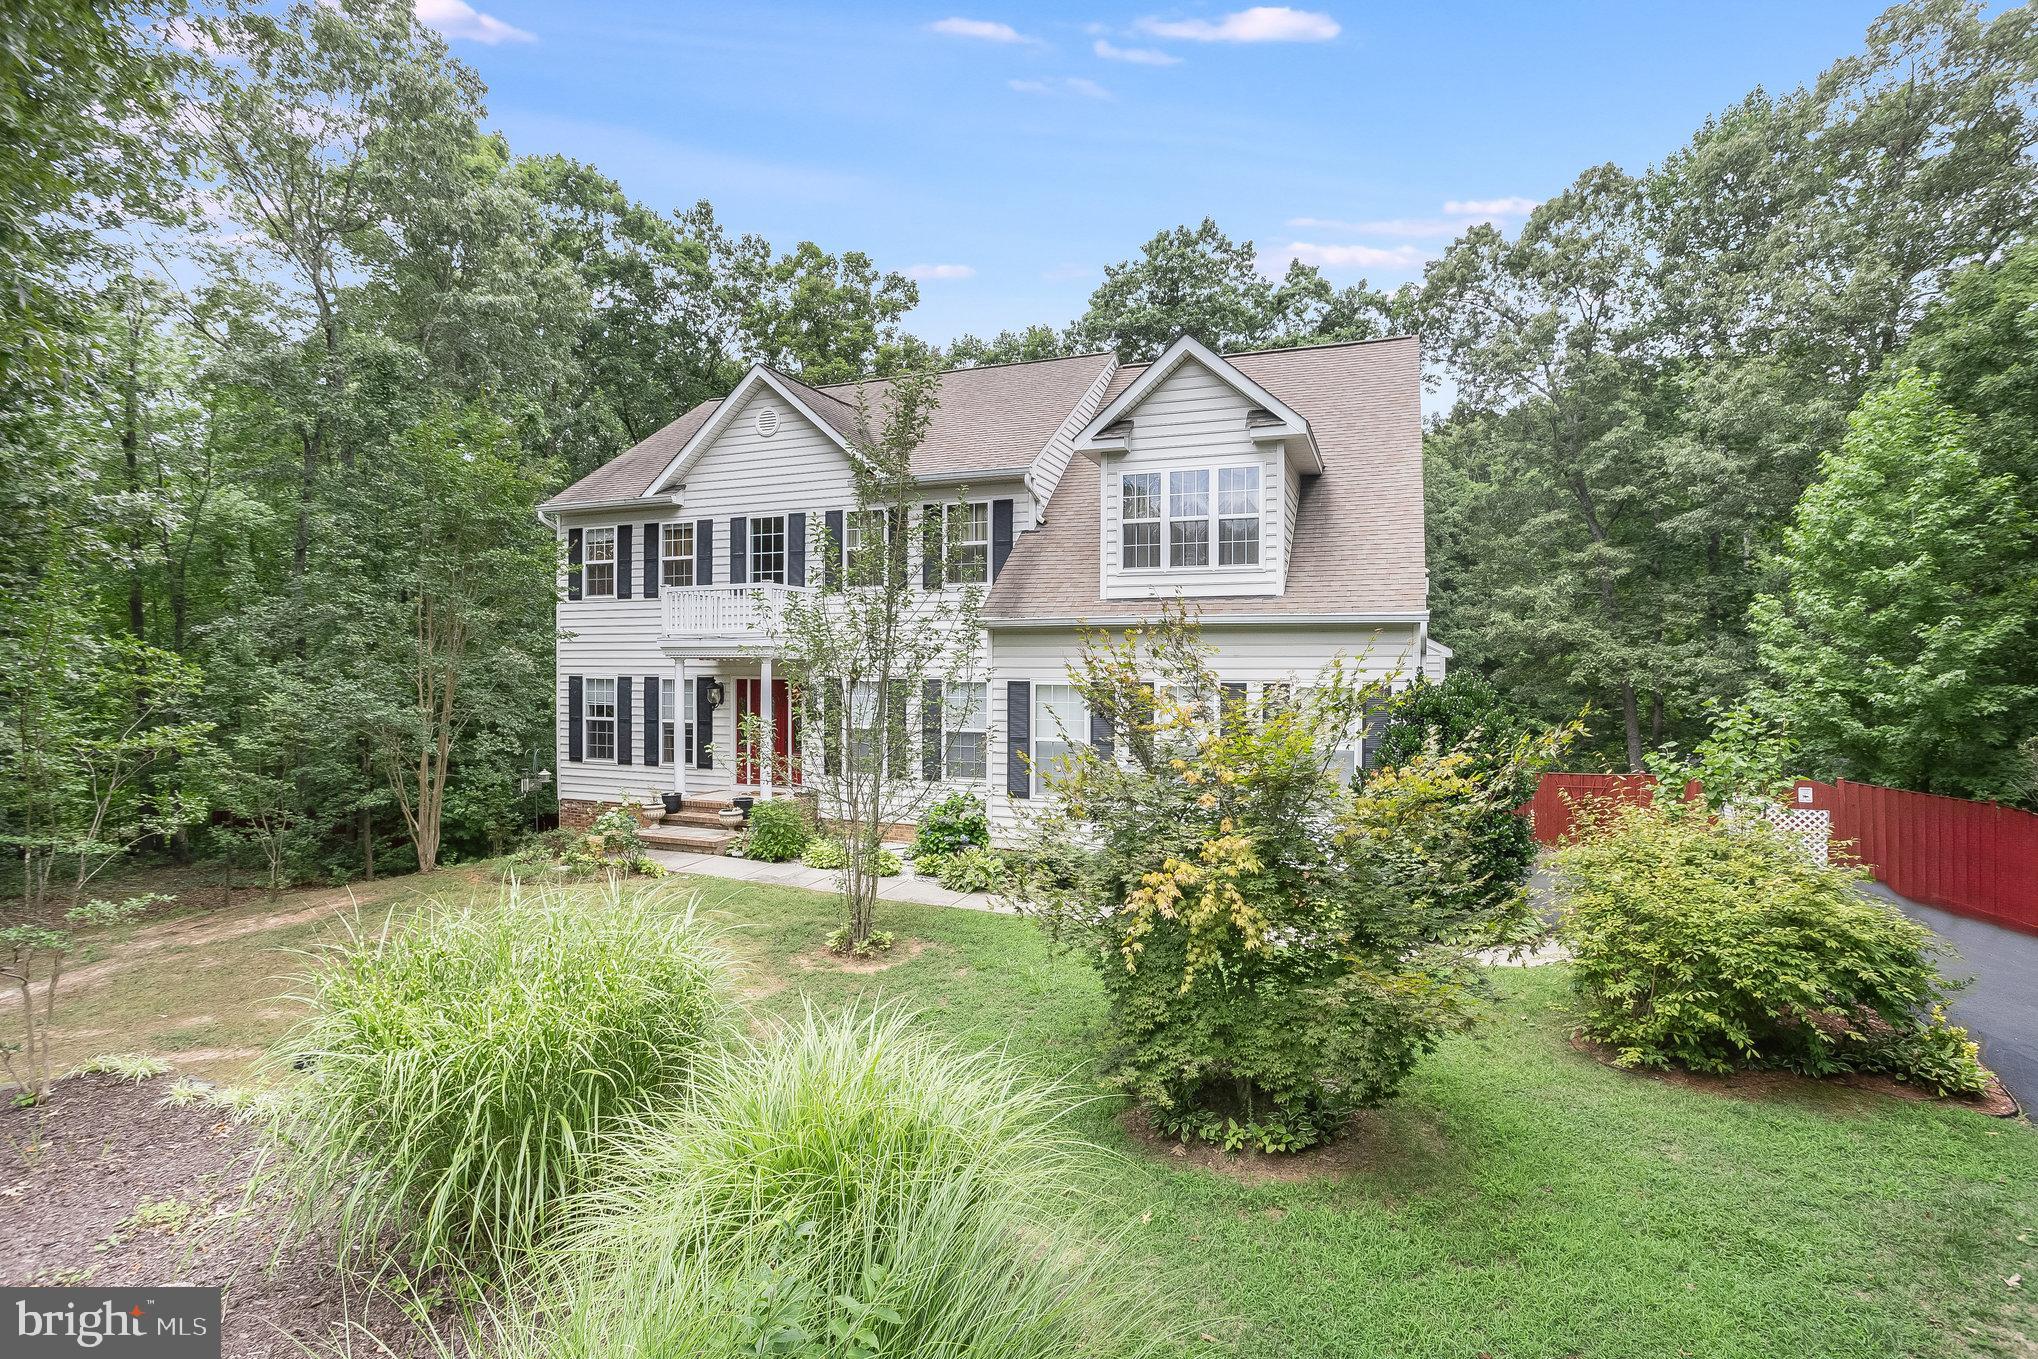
673 802
743 805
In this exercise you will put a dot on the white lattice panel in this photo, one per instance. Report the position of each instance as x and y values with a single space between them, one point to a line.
1810 828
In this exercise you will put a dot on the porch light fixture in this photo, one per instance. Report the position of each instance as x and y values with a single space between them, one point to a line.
717 695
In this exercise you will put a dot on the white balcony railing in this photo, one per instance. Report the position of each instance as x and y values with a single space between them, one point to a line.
738 612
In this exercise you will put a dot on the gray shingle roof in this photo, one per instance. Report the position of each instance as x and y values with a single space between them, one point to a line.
994 418
1358 533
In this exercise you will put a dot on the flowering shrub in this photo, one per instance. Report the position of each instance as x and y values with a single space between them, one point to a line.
954 824
614 843
1277 949
1709 945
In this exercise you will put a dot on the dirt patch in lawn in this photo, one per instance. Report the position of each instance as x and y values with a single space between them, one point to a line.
1995 1102
128 1191
825 959
1371 1140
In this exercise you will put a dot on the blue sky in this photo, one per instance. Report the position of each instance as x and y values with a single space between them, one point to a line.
1004 153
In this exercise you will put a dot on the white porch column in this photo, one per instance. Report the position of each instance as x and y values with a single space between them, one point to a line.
679 710
767 735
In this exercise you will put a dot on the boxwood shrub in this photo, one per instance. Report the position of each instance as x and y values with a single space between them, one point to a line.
779 831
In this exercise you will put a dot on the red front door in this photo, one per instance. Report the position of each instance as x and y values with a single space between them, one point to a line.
785 768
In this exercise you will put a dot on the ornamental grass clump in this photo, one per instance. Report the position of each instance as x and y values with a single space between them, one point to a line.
845 1188
460 1074
1714 944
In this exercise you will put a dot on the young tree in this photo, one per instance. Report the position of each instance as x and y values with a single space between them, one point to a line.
869 645
1905 648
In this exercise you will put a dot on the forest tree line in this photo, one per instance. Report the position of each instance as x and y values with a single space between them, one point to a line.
294 344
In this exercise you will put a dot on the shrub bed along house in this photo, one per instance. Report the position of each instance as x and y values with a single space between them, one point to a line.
460 1073
780 831
1711 944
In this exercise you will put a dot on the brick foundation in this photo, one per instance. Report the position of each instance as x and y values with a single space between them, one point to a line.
578 816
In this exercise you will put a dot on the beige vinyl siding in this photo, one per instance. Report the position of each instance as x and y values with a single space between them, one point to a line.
1045 474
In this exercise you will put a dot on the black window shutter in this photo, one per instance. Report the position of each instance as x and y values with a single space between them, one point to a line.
625 554
930 730
623 752
1230 706
1001 534
1103 735
1018 737
831 569
930 548
796 549
573 713
704 552
1369 740
573 567
704 722
898 738
653 546
831 725
653 728
895 550
739 550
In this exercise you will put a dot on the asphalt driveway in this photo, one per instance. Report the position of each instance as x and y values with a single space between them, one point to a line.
2000 1005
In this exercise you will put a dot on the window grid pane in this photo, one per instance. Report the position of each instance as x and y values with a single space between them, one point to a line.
1238 542
1060 720
767 550
601 719
676 555
1188 494
969 543
1189 542
598 562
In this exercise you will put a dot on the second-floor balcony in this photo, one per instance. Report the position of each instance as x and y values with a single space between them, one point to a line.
714 620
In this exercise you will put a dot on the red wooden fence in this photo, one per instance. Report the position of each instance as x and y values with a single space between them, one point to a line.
1972 858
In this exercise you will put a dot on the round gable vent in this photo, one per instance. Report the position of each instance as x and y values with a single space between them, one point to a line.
767 422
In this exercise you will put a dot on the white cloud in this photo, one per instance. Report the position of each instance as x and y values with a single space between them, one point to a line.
1261 23
983 30
1138 56
1088 89
939 271
458 19
1490 207
1400 257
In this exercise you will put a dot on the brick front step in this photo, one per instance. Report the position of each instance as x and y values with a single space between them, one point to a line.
690 837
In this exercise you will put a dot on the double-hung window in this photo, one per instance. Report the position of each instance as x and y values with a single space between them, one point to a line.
965 728
863 533
669 726
675 555
1175 517
598 562
1139 520
1061 722
969 543
767 549
865 740
600 717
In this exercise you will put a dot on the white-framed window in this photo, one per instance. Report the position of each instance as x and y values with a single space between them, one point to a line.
1139 520
969 544
1346 747
965 730
863 531
675 555
1238 516
599 716
1061 722
767 549
1189 509
598 562
670 728
864 736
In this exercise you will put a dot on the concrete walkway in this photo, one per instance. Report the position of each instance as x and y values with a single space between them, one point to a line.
904 887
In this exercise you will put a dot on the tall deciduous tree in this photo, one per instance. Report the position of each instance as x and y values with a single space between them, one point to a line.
1906 646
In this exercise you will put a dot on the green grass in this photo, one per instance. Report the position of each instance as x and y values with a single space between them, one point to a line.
1519 1200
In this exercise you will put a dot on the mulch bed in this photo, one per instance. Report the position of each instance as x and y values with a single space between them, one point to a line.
109 1146
1995 1102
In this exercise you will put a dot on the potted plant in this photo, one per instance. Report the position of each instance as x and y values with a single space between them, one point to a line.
732 817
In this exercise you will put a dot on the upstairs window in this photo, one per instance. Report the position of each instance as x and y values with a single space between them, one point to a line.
675 555
863 532
598 563
1179 518
600 717
767 550
969 543
1139 516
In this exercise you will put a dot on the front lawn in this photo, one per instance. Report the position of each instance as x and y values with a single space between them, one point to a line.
1518 1201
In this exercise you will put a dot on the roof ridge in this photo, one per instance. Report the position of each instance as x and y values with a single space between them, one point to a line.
981 367
1298 348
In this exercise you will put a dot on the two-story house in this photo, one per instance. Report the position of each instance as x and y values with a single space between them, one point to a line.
1279 491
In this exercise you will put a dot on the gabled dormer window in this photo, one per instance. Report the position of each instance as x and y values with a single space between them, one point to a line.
1177 509
598 565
